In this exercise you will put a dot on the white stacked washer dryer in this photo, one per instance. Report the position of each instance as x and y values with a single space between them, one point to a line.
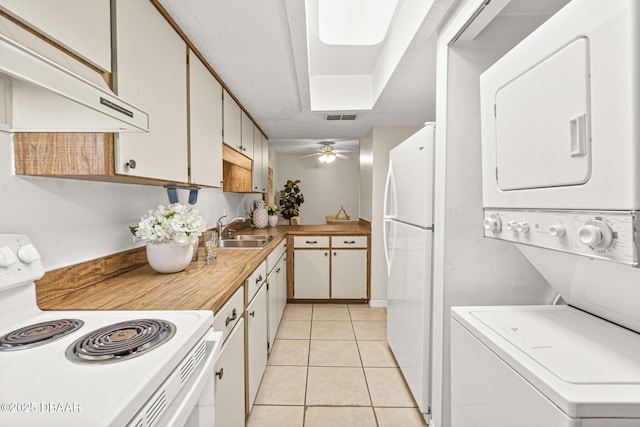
561 179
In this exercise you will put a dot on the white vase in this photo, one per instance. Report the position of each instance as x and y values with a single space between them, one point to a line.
273 220
168 257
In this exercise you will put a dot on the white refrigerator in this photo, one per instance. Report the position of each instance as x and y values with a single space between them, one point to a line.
408 241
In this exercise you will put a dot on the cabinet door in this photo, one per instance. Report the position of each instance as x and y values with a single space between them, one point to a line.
264 165
247 135
281 270
276 297
272 307
232 122
205 125
256 169
349 274
256 315
229 385
83 27
311 274
151 73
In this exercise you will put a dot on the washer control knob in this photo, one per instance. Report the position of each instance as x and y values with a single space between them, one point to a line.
596 235
492 223
512 226
557 230
7 257
522 227
28 253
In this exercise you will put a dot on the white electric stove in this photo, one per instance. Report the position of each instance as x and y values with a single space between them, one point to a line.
98 368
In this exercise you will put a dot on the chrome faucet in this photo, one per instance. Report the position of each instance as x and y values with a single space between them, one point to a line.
223 229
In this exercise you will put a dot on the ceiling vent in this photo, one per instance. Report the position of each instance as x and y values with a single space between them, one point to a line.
341 116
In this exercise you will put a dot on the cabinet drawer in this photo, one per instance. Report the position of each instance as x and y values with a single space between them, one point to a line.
349 241
229 314
311 242
276 253
256 280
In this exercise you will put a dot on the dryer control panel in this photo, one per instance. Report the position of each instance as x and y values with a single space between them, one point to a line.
608 235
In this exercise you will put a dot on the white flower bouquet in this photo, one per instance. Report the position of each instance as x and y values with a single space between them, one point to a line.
175 223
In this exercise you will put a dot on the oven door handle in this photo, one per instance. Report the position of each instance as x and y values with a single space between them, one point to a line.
189 397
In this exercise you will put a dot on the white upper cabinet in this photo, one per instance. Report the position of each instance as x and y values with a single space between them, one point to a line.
232 124
247 136
264 167
83 27
256 169
205 125
260 169
151 73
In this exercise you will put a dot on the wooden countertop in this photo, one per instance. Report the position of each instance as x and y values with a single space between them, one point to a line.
201 286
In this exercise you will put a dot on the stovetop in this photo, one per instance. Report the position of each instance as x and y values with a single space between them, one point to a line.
54 390
42 385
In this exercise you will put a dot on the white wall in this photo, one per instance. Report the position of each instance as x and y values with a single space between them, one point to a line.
325 189
468 269
366 177
374 159
72 221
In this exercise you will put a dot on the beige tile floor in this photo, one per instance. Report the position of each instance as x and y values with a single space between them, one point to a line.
331 366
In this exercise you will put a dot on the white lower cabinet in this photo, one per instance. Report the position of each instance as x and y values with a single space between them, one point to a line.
282 286
229 380
349 274
311 274
276 297
331 267
256 315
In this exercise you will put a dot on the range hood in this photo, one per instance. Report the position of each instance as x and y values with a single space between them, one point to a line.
42 89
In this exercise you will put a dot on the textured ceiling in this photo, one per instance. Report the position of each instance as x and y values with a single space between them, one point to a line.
258 47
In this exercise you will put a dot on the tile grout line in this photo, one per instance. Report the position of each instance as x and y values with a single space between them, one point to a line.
364 373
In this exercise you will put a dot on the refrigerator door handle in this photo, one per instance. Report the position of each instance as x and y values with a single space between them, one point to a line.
388 252
390 193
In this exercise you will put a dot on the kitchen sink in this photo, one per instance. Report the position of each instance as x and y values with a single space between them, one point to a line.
245 241
249 237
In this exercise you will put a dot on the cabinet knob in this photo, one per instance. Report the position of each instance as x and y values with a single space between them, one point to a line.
253 313
311 242
131 164
326 254
220 373
277 270
349 242
234 316
335 254
259 279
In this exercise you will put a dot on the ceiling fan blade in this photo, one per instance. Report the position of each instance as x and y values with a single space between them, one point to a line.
342 156
311 155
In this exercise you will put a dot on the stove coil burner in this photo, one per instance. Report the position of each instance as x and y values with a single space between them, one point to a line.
38 334
120 341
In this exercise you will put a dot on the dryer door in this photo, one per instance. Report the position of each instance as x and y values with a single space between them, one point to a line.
542 123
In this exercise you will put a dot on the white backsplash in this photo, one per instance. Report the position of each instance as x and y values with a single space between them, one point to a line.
72 221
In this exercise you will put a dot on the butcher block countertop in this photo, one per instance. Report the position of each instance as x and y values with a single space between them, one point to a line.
201 286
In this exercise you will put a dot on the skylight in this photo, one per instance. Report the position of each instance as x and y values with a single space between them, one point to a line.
354 22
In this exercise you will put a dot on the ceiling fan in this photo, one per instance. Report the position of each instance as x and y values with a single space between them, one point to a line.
327 154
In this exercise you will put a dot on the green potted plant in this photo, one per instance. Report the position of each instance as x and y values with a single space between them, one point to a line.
290 199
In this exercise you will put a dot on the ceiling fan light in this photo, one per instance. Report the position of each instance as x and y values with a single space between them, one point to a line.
327 157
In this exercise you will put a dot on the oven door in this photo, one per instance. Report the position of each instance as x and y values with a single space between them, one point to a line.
194 405
194 401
